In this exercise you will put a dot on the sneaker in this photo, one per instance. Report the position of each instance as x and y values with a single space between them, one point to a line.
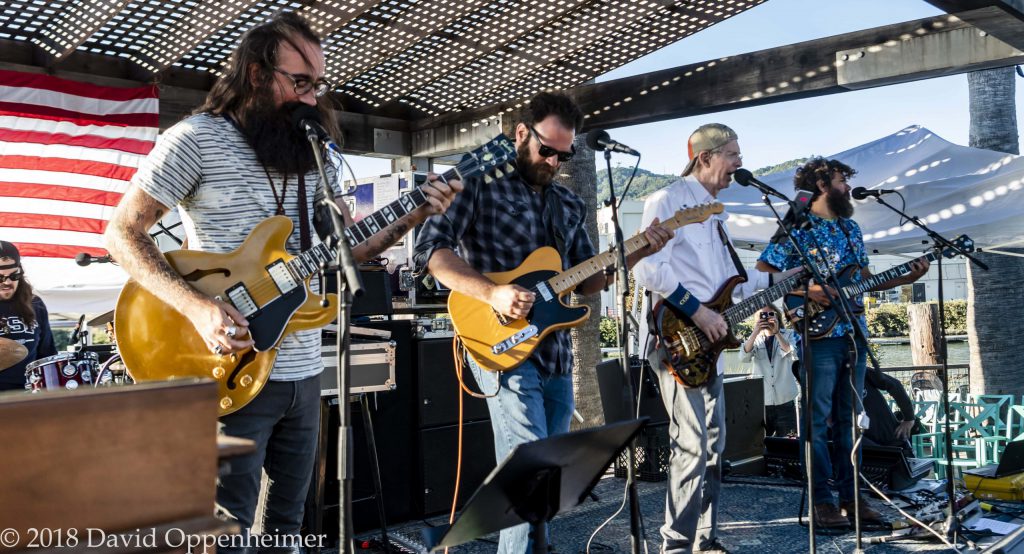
867 513
827 516
714 546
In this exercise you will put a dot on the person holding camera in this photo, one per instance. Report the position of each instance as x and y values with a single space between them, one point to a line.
771 349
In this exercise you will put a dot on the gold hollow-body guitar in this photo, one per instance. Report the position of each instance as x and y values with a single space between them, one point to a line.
497 343
269 286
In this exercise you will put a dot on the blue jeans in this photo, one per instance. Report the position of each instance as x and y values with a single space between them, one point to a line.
284 421
530 404
831 400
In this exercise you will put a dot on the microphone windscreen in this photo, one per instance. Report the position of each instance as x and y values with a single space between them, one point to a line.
595 138
859 193
83 259
304 112
743 176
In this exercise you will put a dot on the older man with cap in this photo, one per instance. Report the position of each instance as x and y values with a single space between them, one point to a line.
23 318
688 270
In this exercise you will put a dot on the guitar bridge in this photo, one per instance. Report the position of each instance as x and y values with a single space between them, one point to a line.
514 340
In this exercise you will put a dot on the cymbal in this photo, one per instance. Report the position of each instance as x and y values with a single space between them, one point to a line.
11 352
101 319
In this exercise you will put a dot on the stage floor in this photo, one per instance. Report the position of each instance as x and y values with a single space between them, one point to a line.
757 515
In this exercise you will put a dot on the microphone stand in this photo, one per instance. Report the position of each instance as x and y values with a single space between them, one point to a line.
807 358
622 278
350 285
939 244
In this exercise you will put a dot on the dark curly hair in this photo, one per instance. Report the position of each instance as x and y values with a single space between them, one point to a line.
819 169
553 103
236 94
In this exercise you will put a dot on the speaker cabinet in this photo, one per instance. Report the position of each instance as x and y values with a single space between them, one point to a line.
744 414
438 450
439 386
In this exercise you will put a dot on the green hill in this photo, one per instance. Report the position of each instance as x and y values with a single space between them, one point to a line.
647 182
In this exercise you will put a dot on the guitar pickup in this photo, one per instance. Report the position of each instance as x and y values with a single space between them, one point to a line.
282 278
240 298
515 340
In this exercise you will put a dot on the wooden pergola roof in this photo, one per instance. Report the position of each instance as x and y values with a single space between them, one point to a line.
418 58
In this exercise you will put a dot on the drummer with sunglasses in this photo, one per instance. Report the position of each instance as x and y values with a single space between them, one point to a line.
23 319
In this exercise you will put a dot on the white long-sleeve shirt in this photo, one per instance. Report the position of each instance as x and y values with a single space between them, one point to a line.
779 382
695 257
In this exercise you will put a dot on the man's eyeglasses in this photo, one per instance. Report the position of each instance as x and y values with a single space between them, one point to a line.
731 154
16 276
546 151
302 84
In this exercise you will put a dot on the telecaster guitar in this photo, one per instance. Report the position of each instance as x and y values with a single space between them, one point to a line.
692 356
824 319
269 286
497 343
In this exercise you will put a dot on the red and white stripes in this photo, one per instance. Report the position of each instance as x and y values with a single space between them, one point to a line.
67 153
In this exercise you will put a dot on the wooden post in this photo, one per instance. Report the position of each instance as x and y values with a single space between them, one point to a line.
924 333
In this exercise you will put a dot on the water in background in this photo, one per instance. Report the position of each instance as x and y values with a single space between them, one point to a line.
891 355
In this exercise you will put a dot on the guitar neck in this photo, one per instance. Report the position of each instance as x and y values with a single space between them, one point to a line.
751 305
310 261
572 277
860 287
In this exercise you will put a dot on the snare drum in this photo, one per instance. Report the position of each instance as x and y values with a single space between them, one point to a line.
67 370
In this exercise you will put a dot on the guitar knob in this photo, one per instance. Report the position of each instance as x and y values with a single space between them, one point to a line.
225 403
218 372
245 381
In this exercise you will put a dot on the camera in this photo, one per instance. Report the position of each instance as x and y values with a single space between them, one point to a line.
767 315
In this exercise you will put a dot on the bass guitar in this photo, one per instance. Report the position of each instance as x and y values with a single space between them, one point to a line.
821 319
269 286
692 356
497 343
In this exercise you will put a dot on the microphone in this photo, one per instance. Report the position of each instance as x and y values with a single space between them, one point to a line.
307 119
796 216
746 178
83 259
860 193
599 140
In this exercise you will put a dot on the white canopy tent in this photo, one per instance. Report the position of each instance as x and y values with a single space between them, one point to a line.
954 189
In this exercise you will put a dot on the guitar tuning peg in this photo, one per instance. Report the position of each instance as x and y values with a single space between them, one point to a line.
488 179
498 173
509 168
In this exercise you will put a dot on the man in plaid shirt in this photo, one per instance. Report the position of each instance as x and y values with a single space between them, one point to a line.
496 226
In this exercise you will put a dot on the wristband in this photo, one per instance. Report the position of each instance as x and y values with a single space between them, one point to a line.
685 301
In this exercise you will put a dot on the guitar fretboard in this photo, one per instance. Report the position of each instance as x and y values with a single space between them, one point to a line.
861 287
752 304
572 277
365 228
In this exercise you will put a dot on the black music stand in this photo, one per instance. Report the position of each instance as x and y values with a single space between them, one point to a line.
537 481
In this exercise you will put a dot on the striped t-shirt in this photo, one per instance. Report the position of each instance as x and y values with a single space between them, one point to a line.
204 166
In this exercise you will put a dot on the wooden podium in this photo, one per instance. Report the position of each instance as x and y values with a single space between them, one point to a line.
136 461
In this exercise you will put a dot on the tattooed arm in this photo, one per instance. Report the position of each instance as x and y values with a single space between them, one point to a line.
127 238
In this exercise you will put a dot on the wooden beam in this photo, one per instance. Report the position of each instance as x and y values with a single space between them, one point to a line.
792 72
1001 18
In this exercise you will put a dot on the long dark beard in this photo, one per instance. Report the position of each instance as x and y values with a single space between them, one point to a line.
538 174
277 142
840 204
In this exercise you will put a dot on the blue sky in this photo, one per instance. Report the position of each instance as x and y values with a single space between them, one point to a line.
778 132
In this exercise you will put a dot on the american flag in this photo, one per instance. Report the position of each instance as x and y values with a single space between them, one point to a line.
67 153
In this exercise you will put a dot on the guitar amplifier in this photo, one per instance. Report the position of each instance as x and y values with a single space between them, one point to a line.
372 367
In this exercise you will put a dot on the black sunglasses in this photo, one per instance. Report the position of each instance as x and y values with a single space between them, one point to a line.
546 151
14 277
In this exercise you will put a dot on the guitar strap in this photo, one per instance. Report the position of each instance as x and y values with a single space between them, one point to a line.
732 252
553 217
305 239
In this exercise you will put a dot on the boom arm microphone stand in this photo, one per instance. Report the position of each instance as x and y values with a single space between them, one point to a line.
350 285
622 278
940 244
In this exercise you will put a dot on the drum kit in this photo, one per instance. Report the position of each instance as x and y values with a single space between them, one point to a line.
84 365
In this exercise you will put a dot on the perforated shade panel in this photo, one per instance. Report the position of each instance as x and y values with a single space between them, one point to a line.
434 56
